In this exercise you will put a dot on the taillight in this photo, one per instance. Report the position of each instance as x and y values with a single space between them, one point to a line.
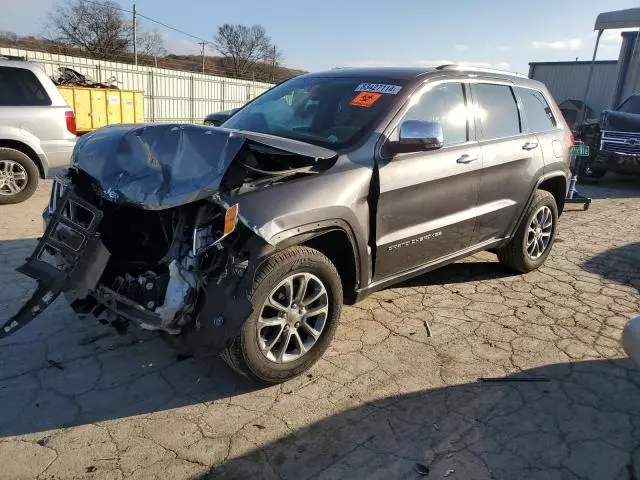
71 121
572 139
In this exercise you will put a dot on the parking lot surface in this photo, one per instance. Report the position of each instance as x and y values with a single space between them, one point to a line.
522 378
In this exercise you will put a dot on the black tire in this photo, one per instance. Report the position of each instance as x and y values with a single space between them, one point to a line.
514 255
33 175
243 353
587 172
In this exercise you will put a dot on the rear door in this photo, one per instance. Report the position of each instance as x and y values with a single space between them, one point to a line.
539 119
512 159
426 207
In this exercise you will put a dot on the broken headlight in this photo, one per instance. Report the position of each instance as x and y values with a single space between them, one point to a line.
210 232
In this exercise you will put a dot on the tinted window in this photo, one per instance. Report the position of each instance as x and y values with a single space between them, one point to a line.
536 110
497 110
631 105
444 103
20 87
328 111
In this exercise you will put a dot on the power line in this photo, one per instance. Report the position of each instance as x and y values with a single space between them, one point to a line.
172 28
151 20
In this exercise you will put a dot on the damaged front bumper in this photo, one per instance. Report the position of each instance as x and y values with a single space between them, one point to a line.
69 256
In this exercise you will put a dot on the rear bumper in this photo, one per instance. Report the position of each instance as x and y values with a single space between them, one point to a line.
57 153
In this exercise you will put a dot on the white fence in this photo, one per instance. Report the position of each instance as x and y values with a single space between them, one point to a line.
169 95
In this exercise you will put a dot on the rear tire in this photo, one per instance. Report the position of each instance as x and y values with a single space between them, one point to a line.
249 353
527 250
19 176
586 172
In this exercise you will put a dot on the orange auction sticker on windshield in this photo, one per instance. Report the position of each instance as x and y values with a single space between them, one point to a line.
365 99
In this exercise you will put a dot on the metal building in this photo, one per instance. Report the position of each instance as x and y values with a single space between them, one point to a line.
567 81
612 80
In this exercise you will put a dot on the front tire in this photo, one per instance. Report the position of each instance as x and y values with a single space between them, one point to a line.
532 242
19 176
297 299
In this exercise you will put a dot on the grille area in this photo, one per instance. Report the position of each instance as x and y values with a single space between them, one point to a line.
71 209
57 191
627 143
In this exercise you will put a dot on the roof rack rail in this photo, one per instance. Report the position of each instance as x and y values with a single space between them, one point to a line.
466 68
12 57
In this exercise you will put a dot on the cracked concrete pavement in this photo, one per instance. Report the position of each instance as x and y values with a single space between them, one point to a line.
79 401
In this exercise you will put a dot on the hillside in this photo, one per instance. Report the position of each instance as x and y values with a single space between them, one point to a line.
213 65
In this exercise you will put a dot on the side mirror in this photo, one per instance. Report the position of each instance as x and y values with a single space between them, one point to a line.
418 136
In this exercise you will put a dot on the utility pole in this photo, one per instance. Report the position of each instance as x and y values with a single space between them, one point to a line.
273 70
135 36
203 43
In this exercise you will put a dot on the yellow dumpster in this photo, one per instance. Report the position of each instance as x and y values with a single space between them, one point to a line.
97 107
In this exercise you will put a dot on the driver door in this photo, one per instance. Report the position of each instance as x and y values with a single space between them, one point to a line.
427 204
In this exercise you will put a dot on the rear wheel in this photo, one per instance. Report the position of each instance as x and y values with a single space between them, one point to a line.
297 299
18 176
532 242
587 172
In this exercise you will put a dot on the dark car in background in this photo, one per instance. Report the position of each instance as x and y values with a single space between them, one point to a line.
218 118
614 141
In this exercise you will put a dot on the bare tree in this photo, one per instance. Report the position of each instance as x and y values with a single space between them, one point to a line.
8 36
151 44
96 27
243 47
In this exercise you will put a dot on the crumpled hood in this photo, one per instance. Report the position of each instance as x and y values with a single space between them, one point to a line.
620 121
165 165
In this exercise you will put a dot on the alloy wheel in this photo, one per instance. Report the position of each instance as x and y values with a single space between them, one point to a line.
539 232
13 177
292 318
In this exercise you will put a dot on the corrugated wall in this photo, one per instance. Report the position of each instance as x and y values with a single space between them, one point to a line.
630 84
567 81
170 95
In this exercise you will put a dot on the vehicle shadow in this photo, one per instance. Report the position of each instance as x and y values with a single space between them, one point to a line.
616 264
60 371
461 272
576 420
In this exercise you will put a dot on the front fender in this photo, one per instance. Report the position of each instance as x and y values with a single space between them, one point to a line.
337 198
306 232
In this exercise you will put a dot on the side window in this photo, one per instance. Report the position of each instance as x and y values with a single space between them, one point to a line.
536 110
497 110
20 87
444 103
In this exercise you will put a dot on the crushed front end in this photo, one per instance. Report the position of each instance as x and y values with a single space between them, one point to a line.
165 270
145 228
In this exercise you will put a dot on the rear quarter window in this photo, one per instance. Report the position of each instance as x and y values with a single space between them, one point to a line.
20 87
537 113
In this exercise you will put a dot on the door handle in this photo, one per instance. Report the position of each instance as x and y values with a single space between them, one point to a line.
530 145
467 158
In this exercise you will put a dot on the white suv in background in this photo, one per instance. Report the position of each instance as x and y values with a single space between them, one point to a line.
37 129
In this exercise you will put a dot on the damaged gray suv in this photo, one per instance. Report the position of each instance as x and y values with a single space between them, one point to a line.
247 239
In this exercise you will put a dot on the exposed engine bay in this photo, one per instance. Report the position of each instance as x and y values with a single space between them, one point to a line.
145 228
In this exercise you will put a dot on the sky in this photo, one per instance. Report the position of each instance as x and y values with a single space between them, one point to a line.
322 34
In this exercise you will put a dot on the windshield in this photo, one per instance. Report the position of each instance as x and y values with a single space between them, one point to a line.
631 105
327 111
